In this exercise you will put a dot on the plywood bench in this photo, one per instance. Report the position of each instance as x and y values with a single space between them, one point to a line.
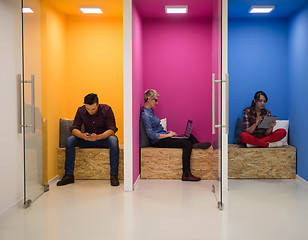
90 163
261 162
166 163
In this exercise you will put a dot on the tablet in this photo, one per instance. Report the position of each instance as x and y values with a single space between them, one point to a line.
266 120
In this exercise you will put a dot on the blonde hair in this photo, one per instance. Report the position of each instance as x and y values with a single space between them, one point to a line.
150 93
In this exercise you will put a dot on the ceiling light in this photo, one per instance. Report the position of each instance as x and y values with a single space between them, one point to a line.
176 9
27 10
261 9
91 10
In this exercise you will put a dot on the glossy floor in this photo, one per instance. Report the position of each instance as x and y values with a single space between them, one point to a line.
163 209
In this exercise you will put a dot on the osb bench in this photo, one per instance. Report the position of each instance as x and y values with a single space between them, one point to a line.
166 163
261 162
90 163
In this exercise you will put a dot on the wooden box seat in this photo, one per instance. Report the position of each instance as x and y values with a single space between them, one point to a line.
166 163
90 163
261 162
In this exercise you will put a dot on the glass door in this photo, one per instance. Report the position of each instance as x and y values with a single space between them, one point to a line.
217 101
31 101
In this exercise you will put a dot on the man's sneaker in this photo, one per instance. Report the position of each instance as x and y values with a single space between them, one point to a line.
114 180
67 179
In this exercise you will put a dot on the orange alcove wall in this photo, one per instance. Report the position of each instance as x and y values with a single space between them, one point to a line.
80 55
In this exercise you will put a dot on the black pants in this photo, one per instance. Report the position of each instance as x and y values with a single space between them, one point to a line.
185 144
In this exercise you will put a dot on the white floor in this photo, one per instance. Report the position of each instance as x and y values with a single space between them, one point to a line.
163 209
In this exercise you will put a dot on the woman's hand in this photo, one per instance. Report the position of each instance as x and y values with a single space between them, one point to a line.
253 127
270 130
258 120
272 124
171 134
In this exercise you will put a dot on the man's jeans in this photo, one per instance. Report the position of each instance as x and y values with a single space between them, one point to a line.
110 142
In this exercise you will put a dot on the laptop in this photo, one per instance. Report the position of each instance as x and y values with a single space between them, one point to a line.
187 131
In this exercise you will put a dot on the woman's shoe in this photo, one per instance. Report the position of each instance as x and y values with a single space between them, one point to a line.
190 177
204 145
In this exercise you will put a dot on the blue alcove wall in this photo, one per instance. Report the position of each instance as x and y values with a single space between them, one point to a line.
271 54
257 61
298 88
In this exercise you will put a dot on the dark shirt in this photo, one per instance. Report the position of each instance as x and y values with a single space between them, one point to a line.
249 118
151 124
98 123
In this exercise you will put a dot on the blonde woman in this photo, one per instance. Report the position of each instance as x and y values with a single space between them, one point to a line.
163 139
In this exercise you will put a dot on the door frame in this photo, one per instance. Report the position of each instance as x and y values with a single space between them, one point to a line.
225 100
128 94
128 105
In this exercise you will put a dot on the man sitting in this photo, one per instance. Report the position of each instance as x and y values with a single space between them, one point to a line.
100 129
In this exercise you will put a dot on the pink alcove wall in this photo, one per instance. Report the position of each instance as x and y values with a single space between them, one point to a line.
175 57
137 87
177 63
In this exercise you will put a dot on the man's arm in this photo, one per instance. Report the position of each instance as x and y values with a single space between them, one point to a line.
76 126
77 133
110 121
93 136
104 135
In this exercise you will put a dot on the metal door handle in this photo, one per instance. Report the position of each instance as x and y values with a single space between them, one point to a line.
19 120
227 103
214 104
32 103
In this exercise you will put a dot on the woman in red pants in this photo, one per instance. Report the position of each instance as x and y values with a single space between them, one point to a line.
252 117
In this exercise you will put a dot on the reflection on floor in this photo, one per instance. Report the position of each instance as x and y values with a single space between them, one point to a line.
163 209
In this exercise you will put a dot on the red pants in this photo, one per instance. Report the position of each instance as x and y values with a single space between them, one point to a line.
262 141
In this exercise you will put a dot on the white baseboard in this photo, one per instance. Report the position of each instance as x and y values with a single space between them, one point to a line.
12 207
302 181
136 182
20 202
53 181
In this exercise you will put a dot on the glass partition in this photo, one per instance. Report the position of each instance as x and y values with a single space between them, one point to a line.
31 101
217 101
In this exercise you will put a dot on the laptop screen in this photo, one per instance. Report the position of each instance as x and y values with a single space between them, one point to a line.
188 128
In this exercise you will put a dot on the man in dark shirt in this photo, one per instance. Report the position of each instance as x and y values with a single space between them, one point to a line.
100 127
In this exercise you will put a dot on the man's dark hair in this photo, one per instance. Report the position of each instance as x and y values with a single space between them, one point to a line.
91 99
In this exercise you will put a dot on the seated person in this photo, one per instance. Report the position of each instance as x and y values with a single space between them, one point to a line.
162 139
100 127
252 117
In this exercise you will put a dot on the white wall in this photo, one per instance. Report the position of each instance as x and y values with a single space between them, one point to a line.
128 98
11 161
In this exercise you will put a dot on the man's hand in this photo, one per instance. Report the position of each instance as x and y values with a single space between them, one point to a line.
90 137
87 136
